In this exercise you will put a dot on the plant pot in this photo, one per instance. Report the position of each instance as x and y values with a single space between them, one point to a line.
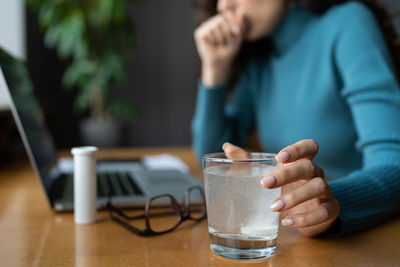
100 132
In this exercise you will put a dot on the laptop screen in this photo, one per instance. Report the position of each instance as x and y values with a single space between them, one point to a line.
15 84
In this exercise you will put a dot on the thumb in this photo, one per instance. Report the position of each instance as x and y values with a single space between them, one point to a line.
234 152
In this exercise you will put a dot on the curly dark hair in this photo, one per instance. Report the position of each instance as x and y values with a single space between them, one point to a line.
261 48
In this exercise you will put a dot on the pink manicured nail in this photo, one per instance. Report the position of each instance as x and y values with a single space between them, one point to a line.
269 181
283 156
277 205
289 221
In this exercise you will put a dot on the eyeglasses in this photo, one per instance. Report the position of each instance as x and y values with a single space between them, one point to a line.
163 213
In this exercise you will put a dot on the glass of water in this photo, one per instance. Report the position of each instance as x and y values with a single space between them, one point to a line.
240 222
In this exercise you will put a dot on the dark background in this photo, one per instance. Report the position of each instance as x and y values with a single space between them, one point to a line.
161 78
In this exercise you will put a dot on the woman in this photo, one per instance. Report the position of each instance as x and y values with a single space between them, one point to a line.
311 82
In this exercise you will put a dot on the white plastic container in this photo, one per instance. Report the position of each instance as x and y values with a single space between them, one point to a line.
85 191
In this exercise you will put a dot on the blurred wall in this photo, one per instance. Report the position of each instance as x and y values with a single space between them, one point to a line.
162 73
12 33
161 77
12 27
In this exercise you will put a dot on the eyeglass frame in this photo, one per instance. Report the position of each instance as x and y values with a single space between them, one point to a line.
183 215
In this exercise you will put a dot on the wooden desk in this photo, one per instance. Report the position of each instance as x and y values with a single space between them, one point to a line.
32 235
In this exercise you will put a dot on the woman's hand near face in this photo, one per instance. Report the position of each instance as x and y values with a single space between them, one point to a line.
306 202
218 41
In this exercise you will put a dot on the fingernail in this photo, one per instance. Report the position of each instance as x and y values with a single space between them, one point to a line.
268 181
235 29
283 156
289 221
277 205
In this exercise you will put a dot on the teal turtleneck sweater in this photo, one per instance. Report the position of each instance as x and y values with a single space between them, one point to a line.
330 78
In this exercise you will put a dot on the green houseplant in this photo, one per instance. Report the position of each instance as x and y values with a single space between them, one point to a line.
95 37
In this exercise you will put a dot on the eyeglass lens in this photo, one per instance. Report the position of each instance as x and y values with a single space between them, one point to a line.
197 205
164 214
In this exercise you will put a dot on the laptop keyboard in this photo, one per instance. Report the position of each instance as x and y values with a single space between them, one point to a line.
108 184
117 184
58 187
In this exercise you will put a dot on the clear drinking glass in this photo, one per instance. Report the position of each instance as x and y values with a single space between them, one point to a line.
240 222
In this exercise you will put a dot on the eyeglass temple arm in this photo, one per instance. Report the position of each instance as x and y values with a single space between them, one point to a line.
129 227
111 208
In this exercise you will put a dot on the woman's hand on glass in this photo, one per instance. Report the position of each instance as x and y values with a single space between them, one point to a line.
217 41
306 202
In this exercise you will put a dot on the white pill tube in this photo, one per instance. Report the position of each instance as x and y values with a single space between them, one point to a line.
84 184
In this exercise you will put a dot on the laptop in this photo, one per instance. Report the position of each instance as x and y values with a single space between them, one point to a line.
128 183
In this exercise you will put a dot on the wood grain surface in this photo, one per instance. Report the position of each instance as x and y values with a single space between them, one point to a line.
32 234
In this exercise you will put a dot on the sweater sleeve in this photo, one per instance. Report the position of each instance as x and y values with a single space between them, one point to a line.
217 120
371 194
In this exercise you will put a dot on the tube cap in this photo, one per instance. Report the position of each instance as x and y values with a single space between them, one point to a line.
84 150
